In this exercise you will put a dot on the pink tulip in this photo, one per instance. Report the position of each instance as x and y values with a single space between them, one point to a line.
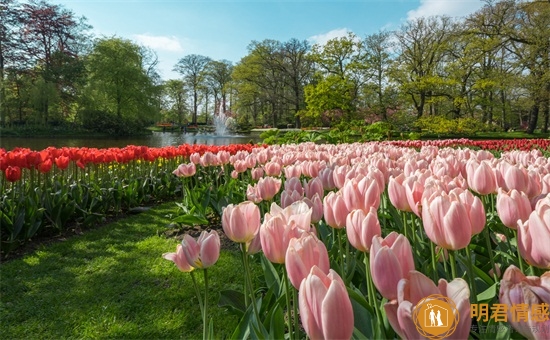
179 259
268 187
294 184
275 235
411 291
339 175
513 206
414 190
481 177
203 252
516 289
314 186
446 221
185 170
302 254
474 207
335 210
257 173
394 252
325 307
292 171
195 158
287 198
298 213
533 236
240 165
316 205
272 169
361 227
397 193
516 177
327 179
241 222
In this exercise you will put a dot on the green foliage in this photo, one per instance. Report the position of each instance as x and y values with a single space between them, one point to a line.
328 99
443 126
109 123
112 282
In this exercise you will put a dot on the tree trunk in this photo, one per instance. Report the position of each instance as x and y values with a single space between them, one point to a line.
533 116
545 112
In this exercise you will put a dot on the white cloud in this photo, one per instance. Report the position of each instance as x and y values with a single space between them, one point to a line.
453 8
322 39
161 43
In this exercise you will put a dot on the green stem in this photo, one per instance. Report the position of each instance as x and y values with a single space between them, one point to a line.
295 309
471 274
434 263
341 253
452 260
404 219
520 259
287 296
371 295
205 310
246 292
490 252
250 286
197 291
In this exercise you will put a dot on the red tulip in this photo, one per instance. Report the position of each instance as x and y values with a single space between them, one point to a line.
13 173
516 289
62 162
325 306
204 251
179 259
45 166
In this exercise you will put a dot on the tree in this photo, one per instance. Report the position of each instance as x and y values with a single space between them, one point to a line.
422 44
52 39
176 98
8 23
218 75
377 57
192 67
119 83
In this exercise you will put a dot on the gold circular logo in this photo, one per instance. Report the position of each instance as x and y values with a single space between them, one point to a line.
435 316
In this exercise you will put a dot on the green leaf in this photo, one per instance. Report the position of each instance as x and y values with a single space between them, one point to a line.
190 220
233 299
277 324
488 294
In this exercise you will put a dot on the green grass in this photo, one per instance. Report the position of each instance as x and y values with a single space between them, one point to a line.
112 282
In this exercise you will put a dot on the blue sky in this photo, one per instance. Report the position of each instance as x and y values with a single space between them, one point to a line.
223 29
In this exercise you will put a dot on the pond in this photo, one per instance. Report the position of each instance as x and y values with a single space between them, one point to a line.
157 139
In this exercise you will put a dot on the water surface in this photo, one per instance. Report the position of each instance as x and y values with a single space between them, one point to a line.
157 139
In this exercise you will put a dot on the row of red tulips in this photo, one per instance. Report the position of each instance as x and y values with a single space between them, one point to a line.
355 238
55 187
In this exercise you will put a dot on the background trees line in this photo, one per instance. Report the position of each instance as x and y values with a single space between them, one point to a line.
492 66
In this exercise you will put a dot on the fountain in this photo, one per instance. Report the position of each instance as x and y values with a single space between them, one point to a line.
222 122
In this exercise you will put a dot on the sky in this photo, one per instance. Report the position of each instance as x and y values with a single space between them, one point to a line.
223 29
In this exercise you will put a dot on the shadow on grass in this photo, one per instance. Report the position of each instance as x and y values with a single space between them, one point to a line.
111 282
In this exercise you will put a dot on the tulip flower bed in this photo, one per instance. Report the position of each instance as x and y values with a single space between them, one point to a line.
366 240
42 192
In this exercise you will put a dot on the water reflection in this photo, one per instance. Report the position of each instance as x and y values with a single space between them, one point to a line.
157 139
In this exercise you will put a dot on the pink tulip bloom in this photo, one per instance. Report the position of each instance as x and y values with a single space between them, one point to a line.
474 207
446 221
325 306
339 175
314 186
302 254
253 194
257 173
316 205
533 236
335 210
298 213
414 190
361 227
185 170
517 289
204 251
394 252
516 177
292 171
275 235
417 287
272 169
327 179
179 259
195 158
294 184
397 193
480 177
287 198
513 206
268 187
241 222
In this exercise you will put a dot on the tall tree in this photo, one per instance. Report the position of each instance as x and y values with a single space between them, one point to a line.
219 77
192 67
422 44
176 98
52 40
119 82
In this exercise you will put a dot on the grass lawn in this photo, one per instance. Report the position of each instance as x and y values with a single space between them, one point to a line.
112 282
